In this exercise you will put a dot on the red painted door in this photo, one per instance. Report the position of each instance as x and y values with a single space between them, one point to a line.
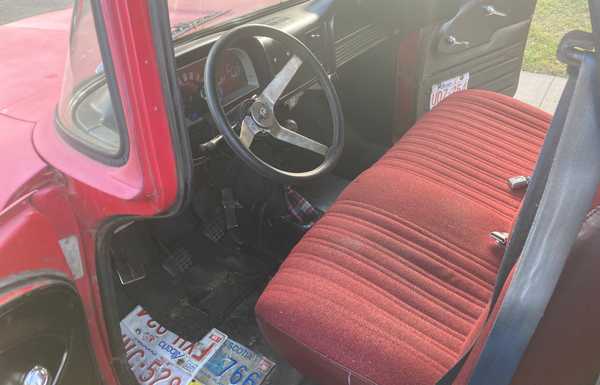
112 141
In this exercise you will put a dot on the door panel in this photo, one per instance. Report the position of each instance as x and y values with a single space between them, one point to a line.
485 39
477 21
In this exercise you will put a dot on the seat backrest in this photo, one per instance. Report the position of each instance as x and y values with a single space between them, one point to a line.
564 348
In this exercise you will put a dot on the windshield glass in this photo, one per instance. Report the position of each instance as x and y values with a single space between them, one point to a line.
189 16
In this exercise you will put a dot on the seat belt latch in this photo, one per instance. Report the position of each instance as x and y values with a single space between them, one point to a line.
500 237
518 182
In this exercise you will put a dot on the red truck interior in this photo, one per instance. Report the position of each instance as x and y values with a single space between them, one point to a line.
388 278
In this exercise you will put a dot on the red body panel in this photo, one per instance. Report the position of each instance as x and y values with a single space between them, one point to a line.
40 205
30 230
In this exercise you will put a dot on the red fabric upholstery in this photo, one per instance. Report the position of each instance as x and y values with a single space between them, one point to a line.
392 283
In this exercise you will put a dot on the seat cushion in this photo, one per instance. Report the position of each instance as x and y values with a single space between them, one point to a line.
391 284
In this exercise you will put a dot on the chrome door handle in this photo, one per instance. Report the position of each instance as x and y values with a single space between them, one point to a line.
455 43
490 10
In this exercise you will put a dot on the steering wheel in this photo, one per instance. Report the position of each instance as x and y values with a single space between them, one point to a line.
260 119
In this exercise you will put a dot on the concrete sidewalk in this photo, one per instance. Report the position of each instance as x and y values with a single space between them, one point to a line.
539 90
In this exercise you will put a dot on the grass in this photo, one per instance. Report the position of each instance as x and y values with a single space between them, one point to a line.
553 18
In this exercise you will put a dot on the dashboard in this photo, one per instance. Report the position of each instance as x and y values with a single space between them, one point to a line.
236 78
336 31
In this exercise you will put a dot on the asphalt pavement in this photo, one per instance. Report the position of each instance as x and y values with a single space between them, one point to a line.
13 10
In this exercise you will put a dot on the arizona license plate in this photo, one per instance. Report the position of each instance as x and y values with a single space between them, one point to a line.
235 364
158 356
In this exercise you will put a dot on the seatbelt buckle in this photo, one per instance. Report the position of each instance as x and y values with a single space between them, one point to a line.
500 237
520 182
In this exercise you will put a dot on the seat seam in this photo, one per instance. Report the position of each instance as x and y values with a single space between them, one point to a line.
486 127
462 141
443 242
489 101
454 150
494 184
398 239
468 318
475 140
374 328
475 131
415 268
516 127
405 306
464 193
422 163
544 121
442 152
470 299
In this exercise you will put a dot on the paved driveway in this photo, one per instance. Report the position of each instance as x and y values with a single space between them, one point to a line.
542 91
13 10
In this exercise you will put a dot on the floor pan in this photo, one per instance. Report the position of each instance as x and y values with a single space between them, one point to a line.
218 289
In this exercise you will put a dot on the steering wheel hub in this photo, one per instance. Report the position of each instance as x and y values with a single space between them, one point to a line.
262 114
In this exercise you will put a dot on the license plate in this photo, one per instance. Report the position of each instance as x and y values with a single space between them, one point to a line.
442 90
158 356
235 364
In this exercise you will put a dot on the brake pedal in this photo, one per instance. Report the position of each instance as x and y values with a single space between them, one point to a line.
214 228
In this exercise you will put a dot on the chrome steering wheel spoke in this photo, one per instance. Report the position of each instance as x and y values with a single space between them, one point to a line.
248 130
274 90
291 137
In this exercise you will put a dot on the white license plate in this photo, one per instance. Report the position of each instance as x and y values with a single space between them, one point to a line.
442 90
235 364
158 356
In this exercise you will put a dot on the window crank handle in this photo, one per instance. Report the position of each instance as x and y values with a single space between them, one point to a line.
490 10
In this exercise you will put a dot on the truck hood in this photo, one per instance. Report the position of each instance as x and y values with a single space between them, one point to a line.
34 51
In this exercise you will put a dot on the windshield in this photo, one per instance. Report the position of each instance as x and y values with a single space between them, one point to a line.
189 16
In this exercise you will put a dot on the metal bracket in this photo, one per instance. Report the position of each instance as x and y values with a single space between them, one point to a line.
70 248
501 238
518 182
